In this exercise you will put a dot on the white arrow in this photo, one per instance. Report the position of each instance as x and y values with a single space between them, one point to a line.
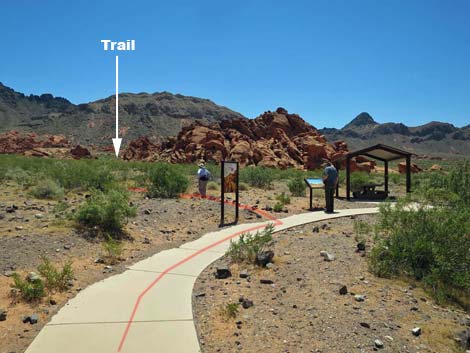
117 141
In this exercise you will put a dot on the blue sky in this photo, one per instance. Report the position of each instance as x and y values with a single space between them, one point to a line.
402 61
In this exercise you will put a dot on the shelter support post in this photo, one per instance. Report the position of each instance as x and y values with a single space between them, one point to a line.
386 176
348 178
408 173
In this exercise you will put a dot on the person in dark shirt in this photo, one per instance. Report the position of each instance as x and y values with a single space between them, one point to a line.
330 180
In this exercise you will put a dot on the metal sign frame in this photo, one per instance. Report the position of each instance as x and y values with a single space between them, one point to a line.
223 191
311 187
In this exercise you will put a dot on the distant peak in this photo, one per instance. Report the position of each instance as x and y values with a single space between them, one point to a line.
362 119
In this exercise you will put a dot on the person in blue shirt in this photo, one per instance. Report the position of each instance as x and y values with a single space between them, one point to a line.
203 176
330 180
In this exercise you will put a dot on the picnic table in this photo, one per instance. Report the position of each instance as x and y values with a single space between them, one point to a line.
368 191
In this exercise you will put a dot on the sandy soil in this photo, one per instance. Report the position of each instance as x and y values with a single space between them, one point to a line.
303 311
35 229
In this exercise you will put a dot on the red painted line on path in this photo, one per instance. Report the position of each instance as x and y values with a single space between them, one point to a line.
172 267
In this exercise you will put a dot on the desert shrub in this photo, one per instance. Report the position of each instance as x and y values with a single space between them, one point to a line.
29 290
260 177
359 179
451 188
60 207
297 186
83 175
212 185
278 207
113 250
362 230
429 240
283 198
243 187
248 246
229 311
166 181
107 211
55 279
20 176
47 189
396 179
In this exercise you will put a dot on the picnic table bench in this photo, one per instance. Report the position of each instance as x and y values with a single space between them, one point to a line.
369 192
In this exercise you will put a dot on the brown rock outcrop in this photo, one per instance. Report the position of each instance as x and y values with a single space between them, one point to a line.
402 168
14 142
274 139
79 152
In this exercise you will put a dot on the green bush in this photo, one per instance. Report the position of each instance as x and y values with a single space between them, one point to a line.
396 179
167 181
260 177
29 290
55 279
359 179
229 311
20 176
47 189
283 198
248 246
107 211
278 207
212 185
297 186
362 230
243 187
113 250
429 240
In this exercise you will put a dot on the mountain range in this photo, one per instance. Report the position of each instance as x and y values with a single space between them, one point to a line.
159 115
433 139
162 115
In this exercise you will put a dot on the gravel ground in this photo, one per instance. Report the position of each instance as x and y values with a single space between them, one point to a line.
303 310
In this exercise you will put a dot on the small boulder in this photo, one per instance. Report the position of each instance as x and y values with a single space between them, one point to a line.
359 298
463 339
265 281
3 315
264 257
343 290
223 272
378 344
244 274
361 246
246 303
327 256
32 277
416 331
34 319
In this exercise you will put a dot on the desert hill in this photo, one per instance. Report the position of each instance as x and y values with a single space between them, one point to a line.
434 138
159 115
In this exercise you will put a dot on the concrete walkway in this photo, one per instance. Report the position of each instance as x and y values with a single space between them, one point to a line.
148 308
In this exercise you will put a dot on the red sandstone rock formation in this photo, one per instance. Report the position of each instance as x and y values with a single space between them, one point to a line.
79 152
274 139
402 168
14 142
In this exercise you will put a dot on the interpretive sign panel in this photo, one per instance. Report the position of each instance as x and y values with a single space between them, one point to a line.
229 184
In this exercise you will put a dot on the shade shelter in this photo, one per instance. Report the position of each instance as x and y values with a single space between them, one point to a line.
382 153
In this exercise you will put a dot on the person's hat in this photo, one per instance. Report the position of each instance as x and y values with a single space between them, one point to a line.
202 163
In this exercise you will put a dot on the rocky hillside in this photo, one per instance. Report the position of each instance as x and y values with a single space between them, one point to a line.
433 139
274 139
158 115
